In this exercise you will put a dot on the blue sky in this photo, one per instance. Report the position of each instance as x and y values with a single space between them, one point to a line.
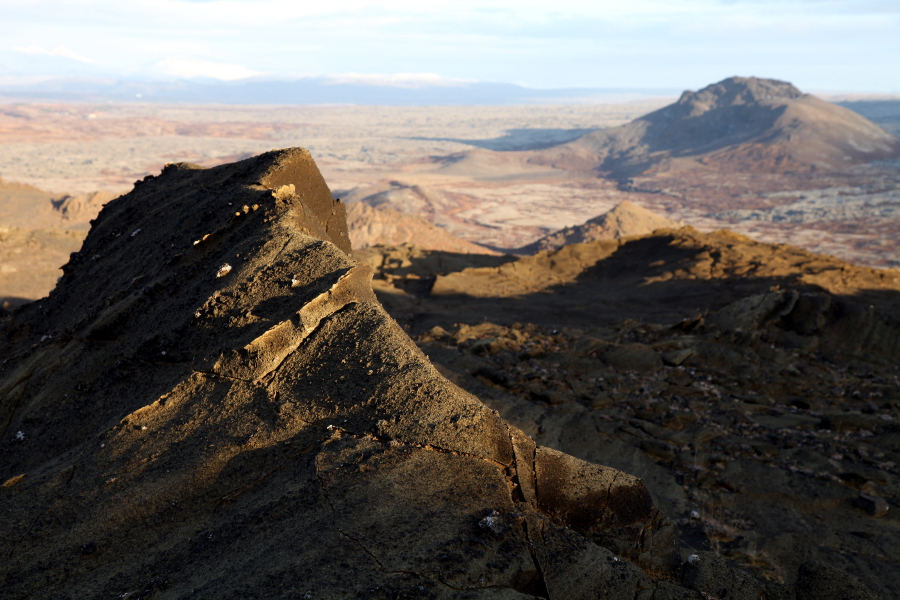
819 45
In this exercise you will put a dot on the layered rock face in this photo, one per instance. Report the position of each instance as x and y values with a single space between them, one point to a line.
213 404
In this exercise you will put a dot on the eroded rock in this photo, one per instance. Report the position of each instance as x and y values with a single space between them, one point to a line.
173 427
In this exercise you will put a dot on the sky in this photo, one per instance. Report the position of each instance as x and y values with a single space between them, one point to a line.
819 45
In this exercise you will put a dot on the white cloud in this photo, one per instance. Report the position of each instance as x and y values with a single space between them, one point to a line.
61 51
188 68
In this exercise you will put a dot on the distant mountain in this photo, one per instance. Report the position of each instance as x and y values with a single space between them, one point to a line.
741 123
625 220
307 90
370 226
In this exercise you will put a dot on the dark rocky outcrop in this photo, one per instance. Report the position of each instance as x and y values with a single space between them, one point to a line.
754 387
213 404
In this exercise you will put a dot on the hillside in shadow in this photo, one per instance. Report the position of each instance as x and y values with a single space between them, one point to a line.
752 386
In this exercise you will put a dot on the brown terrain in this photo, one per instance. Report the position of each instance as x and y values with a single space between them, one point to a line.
38 232
250 401
369 226
753 387
213 403
467 169
625 220
755 155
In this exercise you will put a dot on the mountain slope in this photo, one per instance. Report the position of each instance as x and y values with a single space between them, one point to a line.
370 226
742 123
626 219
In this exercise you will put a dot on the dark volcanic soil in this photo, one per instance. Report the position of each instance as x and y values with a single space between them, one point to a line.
754 387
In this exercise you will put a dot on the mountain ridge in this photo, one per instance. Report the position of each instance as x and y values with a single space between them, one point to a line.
626 219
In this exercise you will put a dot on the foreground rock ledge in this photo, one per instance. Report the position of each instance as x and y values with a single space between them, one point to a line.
212 404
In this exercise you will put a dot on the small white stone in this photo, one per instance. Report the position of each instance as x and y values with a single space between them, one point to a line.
223 270
693 560
136 231
20 436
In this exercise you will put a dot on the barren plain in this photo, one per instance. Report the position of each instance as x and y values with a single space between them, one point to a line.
459 167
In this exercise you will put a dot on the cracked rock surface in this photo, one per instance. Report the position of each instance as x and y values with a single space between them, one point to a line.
754 388
213 404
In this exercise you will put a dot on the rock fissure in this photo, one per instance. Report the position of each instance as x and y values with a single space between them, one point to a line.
541 580
218 375
284 246
268 378
27 531
517 494
611 484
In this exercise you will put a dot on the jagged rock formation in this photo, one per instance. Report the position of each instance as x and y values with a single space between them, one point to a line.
212 403
739 124
369 226
626 219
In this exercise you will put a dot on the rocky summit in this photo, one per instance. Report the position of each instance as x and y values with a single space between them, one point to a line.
213 404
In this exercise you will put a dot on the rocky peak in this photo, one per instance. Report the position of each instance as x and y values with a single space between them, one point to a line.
736 91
